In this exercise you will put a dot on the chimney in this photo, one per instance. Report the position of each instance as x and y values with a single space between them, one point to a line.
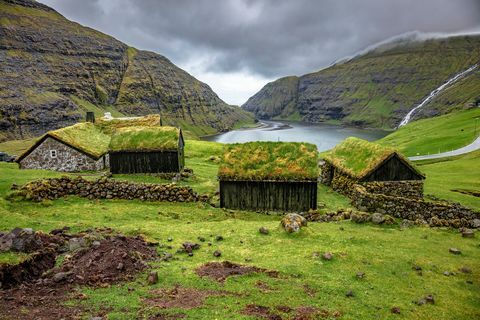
90 117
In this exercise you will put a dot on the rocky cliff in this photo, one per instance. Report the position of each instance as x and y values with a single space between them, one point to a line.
52 70
379 87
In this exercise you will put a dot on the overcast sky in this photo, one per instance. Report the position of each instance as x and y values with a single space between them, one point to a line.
237 46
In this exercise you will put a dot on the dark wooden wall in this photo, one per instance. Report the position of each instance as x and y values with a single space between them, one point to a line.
146 162
267 195
393 169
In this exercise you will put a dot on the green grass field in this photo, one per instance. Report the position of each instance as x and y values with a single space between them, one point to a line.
448 174
385 254
438 134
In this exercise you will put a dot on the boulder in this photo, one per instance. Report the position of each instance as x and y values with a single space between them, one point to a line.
263 230
293 222
377 218
21 240
76 243
455 251
468 233
476 223
360 217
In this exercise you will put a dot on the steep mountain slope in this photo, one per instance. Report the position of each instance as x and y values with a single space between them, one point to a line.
379 87
52 70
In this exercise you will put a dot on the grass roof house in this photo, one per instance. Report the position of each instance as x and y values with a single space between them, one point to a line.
138 149
269 176
81 147
381 169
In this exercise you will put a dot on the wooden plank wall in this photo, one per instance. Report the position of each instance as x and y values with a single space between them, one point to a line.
393 170
268 195
145 162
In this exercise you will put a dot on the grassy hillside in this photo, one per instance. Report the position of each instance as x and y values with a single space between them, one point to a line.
385 254
378 88
454 178
78 69
438 134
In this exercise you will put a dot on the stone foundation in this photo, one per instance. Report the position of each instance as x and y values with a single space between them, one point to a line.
49 189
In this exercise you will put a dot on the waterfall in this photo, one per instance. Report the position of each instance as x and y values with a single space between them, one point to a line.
435 92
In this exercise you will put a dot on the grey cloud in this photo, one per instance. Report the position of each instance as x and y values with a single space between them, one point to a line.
269 38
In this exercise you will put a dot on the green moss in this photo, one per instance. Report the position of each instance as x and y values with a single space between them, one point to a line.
269 161
145 138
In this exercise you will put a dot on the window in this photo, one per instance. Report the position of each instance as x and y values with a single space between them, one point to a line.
53 153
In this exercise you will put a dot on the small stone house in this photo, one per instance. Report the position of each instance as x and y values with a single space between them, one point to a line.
147 150
81 147
269 176
379 169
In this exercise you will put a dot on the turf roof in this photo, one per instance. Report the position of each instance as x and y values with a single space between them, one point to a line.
83 136
280 161
94 139
357 157
110 126
145 139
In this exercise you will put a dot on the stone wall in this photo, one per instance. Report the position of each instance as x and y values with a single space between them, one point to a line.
406 189
343 183
401 199
326 173
67 159
49 189
435 213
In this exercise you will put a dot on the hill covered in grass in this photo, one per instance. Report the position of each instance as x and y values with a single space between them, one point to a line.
53 70
379 87
439 134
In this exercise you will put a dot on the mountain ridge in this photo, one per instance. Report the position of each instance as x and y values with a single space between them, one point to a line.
53 70
377 88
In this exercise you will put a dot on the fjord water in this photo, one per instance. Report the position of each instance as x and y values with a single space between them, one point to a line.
325 136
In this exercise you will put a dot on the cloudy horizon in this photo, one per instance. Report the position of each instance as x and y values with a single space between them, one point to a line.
237 46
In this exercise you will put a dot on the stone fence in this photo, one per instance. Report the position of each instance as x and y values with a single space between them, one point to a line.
435 213
104 188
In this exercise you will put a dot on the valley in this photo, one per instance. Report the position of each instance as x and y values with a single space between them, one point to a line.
310 201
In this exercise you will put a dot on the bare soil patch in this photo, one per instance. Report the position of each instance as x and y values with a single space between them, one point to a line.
165 316
264 287
312 313
35 289
36 302
180 297
260 312
117 258
220 271
28 270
